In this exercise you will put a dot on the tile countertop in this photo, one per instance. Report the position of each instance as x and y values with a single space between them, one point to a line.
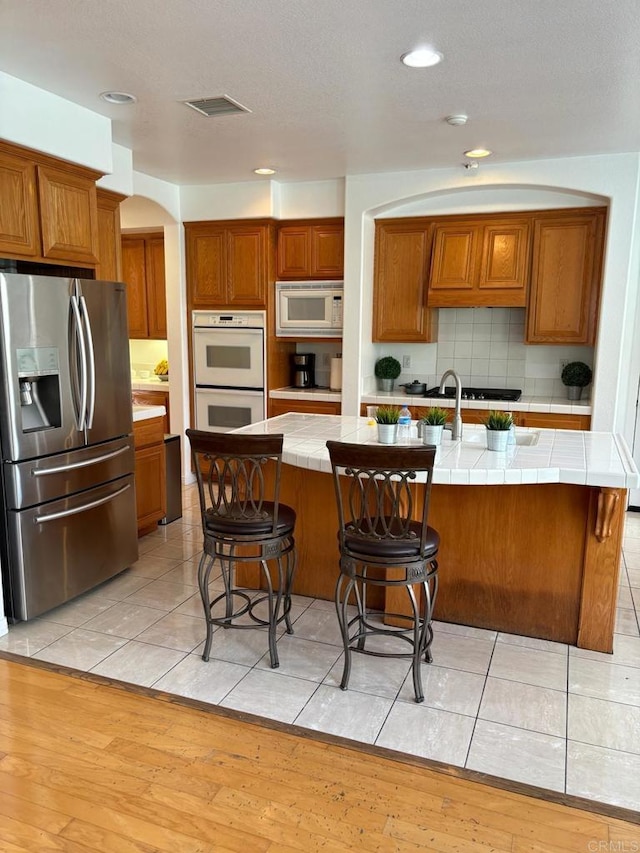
143 413
150 384
558 456
556 405
323 395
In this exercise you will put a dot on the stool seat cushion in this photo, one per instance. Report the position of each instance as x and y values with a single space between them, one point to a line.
231 525
406 547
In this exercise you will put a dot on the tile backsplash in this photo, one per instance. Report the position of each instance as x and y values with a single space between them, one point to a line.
486 347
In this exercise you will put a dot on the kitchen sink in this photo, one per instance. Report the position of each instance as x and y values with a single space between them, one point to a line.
523 439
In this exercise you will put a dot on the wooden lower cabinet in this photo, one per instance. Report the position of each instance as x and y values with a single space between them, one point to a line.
535 420
311 407
151 499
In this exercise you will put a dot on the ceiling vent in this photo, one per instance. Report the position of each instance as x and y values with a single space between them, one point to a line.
220 105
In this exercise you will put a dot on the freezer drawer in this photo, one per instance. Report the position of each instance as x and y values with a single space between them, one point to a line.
61 549
39 480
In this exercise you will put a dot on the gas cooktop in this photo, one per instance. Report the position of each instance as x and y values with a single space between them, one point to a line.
490 394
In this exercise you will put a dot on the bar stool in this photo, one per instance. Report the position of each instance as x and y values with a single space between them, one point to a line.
244 522
379 492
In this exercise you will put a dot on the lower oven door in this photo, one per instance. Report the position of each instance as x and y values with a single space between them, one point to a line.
221 410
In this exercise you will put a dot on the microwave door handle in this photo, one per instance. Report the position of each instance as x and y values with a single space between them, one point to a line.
82 378
91 363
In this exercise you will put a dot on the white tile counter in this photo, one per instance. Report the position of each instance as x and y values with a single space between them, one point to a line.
558 456
143 413
150 384
320 395
555 405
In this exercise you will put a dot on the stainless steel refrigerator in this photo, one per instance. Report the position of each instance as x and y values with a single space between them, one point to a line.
66 435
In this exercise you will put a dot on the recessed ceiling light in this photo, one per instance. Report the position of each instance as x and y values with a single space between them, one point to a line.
423 57
264 171
118 97
456 120
478 152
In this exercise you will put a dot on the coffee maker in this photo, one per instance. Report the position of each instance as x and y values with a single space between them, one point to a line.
303 370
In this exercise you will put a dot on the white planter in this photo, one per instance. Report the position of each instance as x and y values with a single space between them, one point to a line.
388 433
497 439
432 434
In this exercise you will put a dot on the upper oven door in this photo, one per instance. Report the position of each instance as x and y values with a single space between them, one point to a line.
230 358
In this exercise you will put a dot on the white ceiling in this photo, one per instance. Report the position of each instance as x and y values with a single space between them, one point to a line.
322 78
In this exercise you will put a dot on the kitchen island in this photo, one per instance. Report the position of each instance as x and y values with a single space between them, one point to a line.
530 539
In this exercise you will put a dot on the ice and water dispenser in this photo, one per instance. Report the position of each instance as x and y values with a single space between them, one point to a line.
39 384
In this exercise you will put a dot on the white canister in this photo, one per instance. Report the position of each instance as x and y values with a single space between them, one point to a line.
335 381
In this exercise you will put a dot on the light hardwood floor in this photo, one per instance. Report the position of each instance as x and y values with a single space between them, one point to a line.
93 766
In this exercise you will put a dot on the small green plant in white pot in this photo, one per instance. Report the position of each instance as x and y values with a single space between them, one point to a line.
576 375
387 369
431 425
387 418
498 426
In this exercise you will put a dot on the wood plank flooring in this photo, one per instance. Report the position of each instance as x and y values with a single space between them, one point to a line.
86 765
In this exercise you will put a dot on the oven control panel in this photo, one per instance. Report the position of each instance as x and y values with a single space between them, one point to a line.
233 320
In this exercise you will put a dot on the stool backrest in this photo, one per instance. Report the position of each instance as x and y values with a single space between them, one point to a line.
230 471
376 490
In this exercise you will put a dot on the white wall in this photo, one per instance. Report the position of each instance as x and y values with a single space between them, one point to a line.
37 119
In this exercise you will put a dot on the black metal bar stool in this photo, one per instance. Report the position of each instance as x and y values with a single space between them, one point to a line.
383 503
244 522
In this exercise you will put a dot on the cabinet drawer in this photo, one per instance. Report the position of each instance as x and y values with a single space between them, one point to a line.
148 432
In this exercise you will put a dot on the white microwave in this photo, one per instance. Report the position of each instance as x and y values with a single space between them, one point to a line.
311 309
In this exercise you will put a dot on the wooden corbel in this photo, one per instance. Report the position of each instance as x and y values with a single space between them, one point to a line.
608 500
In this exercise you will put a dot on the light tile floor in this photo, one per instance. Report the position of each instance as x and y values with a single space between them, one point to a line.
529 710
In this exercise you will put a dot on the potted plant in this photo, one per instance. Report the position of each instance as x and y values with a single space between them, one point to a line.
387 419
431 425
387 369
576 375
498 426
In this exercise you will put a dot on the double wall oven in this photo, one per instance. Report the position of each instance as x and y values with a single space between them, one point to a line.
228 369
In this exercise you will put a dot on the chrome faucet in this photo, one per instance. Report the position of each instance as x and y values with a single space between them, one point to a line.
456 424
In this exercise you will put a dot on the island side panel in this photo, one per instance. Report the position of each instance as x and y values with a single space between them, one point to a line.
511 557
603 550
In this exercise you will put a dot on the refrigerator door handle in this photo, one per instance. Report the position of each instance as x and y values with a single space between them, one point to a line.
91 376
54 516
61 469
77 328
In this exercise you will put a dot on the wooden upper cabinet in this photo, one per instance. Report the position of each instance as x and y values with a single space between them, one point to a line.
400 310
480 261
109 236
69 215
19 220
565 277
228 263
308 250
143 273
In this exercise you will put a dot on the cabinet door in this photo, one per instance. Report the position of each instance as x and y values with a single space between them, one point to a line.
294 251
156 291
327 251
504 262
565 279
206 265
151 498
19 223
134 276
454 264
246 251
68 215
542 420
109 238
313 407
400 310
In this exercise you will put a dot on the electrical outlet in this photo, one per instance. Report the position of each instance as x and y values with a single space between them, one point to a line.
406 362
